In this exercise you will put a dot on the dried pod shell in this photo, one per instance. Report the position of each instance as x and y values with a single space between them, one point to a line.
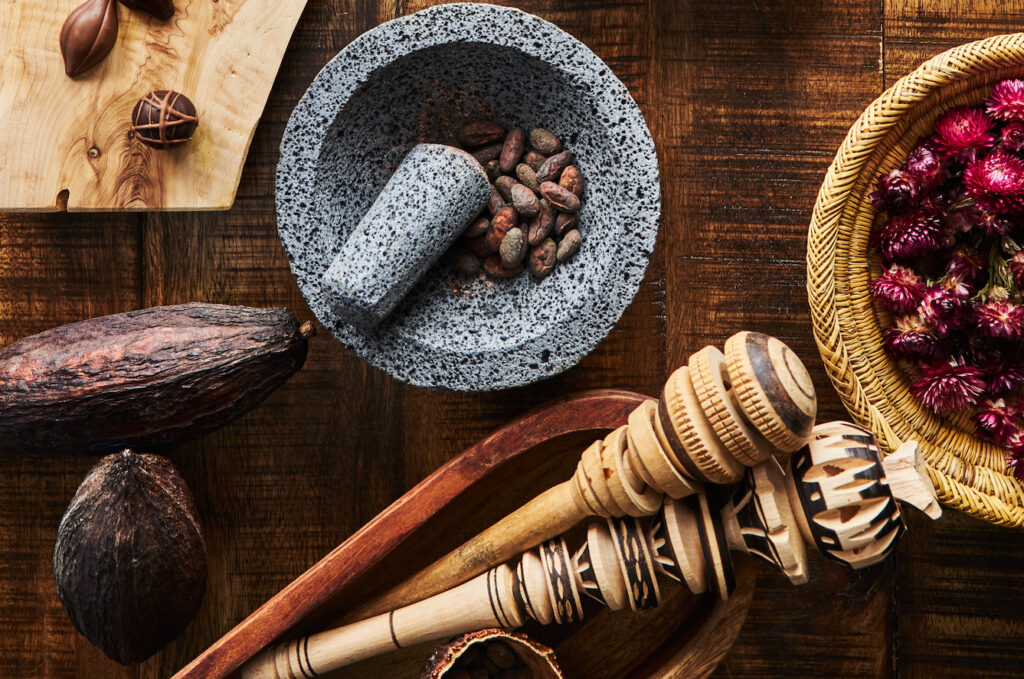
161 9
539 659
144 379
88 35
130 560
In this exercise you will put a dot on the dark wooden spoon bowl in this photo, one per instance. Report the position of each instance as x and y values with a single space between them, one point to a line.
684 637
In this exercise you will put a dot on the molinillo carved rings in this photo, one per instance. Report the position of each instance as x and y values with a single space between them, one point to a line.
839 498
668 448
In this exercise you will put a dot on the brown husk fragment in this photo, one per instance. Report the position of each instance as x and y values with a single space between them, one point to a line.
144 379
538 658
130 559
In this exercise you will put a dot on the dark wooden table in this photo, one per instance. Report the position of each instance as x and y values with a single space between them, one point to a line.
747 101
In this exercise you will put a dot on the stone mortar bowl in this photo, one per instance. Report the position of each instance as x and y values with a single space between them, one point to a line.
417 79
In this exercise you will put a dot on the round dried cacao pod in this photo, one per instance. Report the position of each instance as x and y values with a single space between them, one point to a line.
130 559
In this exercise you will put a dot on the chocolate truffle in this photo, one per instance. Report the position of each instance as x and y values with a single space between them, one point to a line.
164 119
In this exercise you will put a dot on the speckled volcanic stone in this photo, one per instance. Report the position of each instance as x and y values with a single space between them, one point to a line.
415 80
423 208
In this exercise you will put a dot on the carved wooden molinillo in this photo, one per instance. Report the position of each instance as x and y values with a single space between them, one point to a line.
838 497
716 415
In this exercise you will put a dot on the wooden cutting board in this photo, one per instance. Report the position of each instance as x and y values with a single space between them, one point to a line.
64 143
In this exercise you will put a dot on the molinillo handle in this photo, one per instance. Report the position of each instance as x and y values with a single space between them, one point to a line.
838 497
716 415
423 208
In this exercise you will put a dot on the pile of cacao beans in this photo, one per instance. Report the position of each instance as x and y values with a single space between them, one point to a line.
532 217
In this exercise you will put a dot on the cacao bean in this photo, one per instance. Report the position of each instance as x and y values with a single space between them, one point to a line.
493 170
88 35
495 269
541 225
506 219
543 258
572 180
495 203
527 176
512 151
569 244
465 263
565 222
534 159
144 379
513 248
553 166
478 227
480 132
504 185
544 141
487 153
560 197
480 246
130 559
524 201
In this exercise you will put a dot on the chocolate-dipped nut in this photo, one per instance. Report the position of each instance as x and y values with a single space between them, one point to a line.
164 119
88 35
161 9
773 388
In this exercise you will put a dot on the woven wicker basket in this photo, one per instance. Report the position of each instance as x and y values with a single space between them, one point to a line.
970 474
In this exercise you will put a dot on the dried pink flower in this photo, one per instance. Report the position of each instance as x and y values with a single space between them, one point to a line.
912 340
896 192
942 310
962 132
1003 374
1015 454
1006 101
1012 136
967 266
999 319
996 420
1016 265
996 182
911 236
925 165
947 388
898 289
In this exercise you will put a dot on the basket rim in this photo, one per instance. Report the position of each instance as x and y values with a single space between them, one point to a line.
994 496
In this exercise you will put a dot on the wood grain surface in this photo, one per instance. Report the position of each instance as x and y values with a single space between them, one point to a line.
747 101
65 143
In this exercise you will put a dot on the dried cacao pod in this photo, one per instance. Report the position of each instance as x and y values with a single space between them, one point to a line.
88 35
161 9
144 379
130 560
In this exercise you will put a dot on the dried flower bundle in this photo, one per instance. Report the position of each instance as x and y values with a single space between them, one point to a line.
949 227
